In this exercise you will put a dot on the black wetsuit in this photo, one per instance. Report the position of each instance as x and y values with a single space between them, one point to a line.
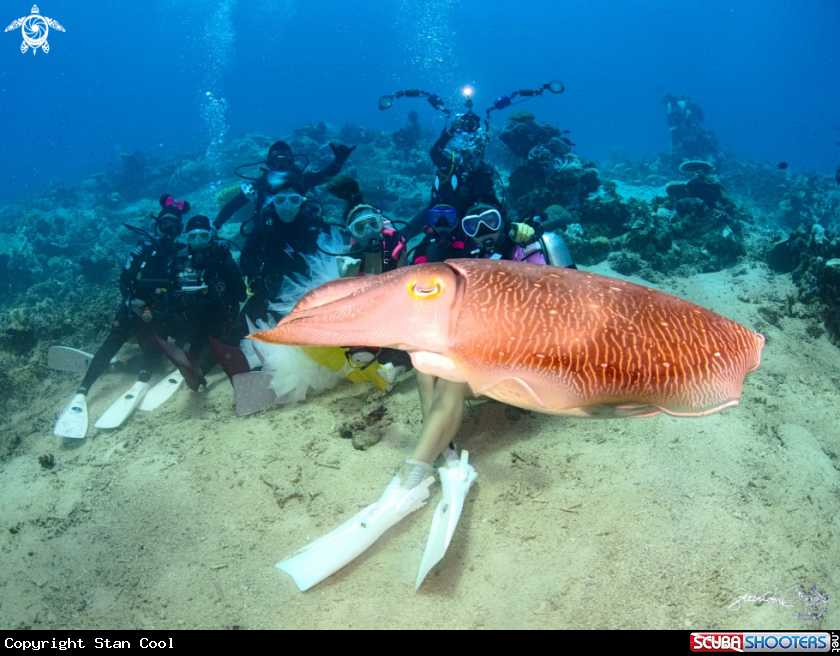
274 251
212 309
309 180
150 275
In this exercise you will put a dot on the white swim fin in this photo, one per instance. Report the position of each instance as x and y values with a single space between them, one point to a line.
325 556
162 392
73 422
456 478
64 358
120 409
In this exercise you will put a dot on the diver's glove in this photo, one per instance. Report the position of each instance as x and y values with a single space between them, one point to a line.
521 233
256 287
348 266
249 191
341 152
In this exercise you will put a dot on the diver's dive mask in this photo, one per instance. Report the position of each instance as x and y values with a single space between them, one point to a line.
443 218
365 221
490 218
280 157
278 162
287 205
199 239
169 226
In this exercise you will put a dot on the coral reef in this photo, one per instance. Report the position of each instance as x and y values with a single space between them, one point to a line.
685 226
546 179
521 134
808 200
812 257
225 194
351 133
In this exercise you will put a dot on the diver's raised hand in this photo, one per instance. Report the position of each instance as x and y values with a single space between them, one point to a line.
341 152
521 233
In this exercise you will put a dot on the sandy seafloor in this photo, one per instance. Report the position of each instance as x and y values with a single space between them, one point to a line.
178 518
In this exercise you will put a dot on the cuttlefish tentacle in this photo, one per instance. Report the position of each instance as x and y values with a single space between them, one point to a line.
553 340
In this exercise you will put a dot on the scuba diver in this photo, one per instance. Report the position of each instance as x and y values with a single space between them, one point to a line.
286 229
441 400
463 177
147 282
522 241
210 289
375 246
290 251
280 159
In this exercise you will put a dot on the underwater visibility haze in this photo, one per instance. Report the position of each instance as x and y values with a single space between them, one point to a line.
690 148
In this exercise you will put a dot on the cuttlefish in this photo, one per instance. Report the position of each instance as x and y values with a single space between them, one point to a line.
552 340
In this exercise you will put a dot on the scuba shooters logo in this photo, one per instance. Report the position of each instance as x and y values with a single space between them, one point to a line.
756 641
35 29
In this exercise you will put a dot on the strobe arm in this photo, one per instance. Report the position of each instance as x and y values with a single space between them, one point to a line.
555 86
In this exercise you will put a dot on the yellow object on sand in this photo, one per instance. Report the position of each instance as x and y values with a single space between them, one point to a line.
334 358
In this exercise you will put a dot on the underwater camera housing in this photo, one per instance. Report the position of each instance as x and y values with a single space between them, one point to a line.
189 282
468 147
469 122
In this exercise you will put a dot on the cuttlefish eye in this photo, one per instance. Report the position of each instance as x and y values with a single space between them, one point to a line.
425 289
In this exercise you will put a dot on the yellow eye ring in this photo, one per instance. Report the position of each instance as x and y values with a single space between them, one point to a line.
423 293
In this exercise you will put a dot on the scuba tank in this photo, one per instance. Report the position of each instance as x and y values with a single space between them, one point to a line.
555 251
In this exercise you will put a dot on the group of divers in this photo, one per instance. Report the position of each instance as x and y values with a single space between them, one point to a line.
196 294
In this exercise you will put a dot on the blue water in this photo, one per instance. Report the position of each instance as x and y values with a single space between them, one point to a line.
135 74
